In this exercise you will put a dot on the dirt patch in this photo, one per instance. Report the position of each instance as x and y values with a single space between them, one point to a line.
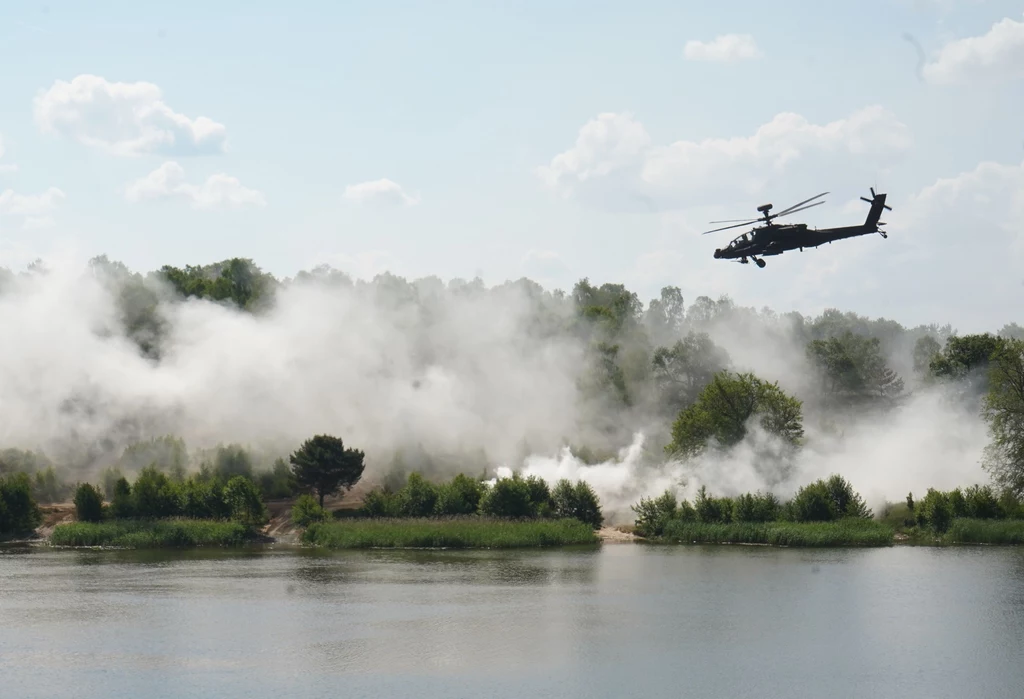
616 536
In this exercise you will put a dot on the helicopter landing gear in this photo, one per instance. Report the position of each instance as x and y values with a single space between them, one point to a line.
743 261
759 262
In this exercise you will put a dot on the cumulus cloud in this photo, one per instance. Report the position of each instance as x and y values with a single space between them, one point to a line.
124 119
998 54
382 192
726 48
614 162
31 210
219 191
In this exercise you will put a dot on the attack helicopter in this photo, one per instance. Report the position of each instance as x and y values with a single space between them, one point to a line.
771 238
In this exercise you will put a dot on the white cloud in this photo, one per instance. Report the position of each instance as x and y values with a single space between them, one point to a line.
997 54
6 167
124 119
31 210
614 163
726 48
219 190
381 192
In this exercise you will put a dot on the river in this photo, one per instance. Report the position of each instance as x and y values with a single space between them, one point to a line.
623 621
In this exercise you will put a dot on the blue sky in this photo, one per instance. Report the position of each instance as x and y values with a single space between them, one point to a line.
462 105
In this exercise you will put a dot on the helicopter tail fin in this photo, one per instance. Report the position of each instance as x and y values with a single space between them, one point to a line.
877 202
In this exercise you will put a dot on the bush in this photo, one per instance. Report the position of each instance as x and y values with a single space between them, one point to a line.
88 504
19 512
243 499
652 514
381 502
711 510
307 510
934 510
418 497
756 508
577 502
459 496
508 497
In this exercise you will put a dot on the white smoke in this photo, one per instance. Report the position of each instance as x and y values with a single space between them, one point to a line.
456 373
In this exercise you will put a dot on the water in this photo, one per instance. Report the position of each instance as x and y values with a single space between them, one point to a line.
625 621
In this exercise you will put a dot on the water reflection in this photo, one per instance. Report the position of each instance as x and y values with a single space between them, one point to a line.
622 621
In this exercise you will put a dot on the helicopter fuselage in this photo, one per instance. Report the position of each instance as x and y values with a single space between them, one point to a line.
775 240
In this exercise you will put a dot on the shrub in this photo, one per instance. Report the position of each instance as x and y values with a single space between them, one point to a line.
418 497
88 503
459 496
380 502
19 512
508 497
307 510
934 510
244 501
711 509
756 508
577 502
652 514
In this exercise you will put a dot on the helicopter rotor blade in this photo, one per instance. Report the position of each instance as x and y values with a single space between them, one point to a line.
790 209
802 208
738 220
735 225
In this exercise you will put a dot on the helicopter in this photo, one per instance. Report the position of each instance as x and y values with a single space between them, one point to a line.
771 238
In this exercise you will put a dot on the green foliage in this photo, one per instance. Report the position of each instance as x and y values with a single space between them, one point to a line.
47 488
279 482
725 406
459 496
684 369
509 497
577 501
325 465
306 511
825 501
853 370
244 501
756 507
1003 409
88 503
237 281
926 348
167 454
712 510
934 510
417 498
19 513
230 461
848 532
453 533
122 506
965 355
144 534
652 514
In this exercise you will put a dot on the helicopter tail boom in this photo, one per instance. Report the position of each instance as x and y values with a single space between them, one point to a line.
877 202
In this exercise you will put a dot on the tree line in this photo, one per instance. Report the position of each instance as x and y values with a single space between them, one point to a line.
667 359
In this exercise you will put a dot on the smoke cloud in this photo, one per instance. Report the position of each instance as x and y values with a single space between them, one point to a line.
474 380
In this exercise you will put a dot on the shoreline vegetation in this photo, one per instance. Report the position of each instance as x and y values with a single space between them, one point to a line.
510 512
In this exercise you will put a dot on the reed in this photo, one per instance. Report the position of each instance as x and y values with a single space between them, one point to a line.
146 534
846 532
454 532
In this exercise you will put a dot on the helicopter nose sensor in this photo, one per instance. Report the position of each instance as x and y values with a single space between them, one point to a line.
718 253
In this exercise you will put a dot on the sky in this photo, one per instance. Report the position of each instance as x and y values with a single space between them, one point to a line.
554 140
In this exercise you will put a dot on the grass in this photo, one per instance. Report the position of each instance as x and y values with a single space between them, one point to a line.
148 534
462 533
985 531
851 532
